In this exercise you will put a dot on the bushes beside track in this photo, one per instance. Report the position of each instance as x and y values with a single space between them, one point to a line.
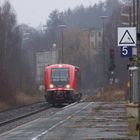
11 97
109 93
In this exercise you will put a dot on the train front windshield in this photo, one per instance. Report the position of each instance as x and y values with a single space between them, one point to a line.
60 76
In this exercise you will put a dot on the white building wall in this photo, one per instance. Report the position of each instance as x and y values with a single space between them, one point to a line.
44 59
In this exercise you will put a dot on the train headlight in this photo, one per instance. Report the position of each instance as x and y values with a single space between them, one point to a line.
67 86
51 86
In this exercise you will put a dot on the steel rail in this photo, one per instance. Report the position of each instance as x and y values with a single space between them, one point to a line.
22 116
19 107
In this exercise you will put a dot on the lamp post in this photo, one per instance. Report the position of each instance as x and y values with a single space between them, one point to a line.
53 53
103 45
62 45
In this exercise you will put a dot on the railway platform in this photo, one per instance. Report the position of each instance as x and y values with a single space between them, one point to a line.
78 121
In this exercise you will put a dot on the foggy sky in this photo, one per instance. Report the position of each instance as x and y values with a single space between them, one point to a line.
34 12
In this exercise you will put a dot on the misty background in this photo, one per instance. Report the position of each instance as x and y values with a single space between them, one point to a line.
83 46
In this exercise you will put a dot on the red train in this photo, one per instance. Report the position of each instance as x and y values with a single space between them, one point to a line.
62 83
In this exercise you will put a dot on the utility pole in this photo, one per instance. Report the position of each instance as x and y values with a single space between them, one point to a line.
138 63
62 43
138 42
103 47
134 12
130 16
138 16
62 54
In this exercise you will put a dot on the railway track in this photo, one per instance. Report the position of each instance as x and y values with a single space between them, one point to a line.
15 116
10 116
11 119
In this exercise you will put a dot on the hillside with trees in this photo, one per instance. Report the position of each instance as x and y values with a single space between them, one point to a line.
88 18
13 67
19 44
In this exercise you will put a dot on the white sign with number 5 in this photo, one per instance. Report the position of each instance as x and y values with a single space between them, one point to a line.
124 50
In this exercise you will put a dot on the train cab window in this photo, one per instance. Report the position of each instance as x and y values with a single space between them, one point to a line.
60 76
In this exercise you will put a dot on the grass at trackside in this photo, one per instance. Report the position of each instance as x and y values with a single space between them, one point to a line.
132 122
111 94
19 100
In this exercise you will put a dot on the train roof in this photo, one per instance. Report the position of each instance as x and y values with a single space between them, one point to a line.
61 65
